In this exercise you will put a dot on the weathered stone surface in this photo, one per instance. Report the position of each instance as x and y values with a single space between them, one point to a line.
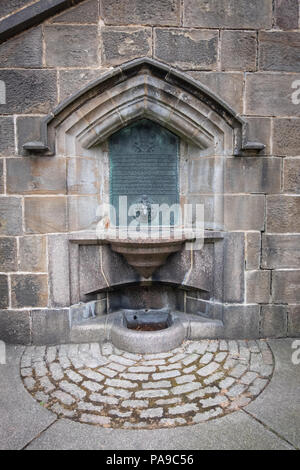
82 211
9 7
241 321
274 321
253 175
286 286
15 326
29 91
260 131
228 86
50 326
59 283
36 175
253 250
244 212
287 14
10 216
8 254
280 251
258 287
192 49
71 46
291 175
29 290
7 137
286 136
33 254
260 89
233 265
1 177
70 81
206 175
294 321
4 295
238 50
83 176
120 44
165 12
283 214
24 50
45 214
235 14
279 51
85 13
28 130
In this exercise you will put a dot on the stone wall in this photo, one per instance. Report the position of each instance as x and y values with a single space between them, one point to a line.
245 52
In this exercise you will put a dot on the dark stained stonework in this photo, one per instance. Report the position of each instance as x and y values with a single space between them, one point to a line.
24 50
124 43
29 290
283 214
7 137
152 12
10 216
8 254
279 51
4 295
29 91
286 137
238 50
15 326
1 177
287 14
192 49
85 13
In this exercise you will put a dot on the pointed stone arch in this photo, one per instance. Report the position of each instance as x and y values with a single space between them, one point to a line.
145 88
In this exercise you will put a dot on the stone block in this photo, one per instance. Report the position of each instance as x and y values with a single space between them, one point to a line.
33 254
287 14
15 326
274 321
258 287
4 295
1 177
8 254
238 50
193 49
84 13
10 216
253 175
206 175
24 50
228 86
213 210
281 251
91 277
244 212
279 51
9 7
233 266
241 321
50 326
291 175
166 12
29 91
259 130
294 321
253 250
269 94
83 176
120 44
7 136
286 286
59 280
82 211
45 214
35 175
28 130
238 14
283 214
286 136
70 81
72 46
29 290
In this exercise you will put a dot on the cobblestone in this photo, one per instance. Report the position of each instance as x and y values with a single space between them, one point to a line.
107 387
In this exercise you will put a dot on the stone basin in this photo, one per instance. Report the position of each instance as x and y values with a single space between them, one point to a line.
169 337
146 255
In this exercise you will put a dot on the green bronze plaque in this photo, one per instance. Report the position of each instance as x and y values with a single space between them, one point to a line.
144 166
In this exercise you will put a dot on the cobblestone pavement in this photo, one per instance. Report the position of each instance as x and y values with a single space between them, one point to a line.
104 386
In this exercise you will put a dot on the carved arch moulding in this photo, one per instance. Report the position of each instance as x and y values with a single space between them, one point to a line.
145 88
